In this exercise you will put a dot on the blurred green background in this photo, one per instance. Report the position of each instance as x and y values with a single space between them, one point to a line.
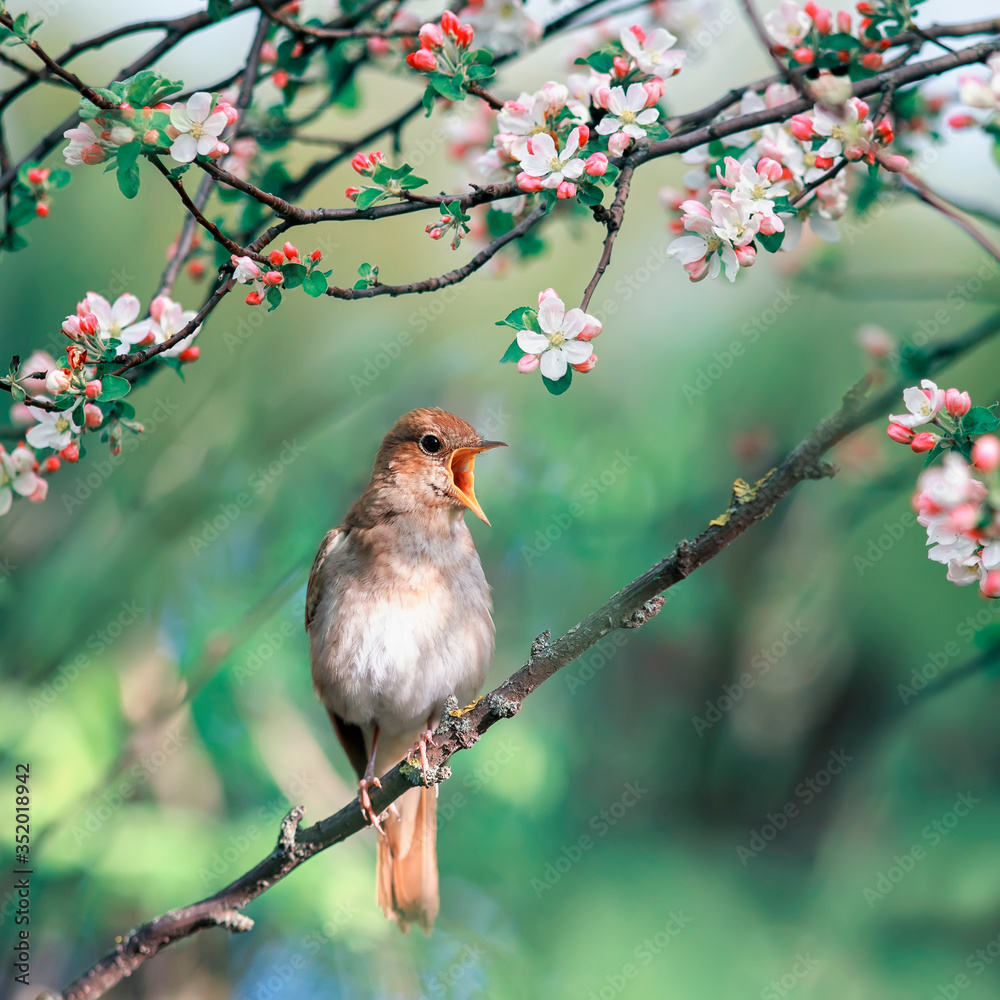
155 670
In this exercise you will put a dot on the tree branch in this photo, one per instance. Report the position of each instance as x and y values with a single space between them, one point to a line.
631 607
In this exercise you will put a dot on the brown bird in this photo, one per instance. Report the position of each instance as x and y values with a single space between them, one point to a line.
398 616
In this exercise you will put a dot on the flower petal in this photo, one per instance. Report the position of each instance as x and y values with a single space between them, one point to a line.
551 313
577 351
184 148
573 322
199 105
531 342
553 364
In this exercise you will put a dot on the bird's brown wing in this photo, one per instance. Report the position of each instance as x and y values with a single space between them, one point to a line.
313 590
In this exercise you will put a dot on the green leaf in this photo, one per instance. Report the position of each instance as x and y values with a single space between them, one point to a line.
559 386
448 86
358 285
979 420
294 275
22 212
368 197
522 318
428 98
513 354
315 284
365 270
772 244
601 61
411 181
218 9
128 168
476 72
273 298
59 178
589 194
841 40
113 387
482 56
12 242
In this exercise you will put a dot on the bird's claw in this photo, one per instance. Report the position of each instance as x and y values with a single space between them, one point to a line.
366 803
421 746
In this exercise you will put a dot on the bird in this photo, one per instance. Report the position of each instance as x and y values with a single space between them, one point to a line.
399 618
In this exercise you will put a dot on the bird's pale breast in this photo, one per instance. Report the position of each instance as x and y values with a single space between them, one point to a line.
403 622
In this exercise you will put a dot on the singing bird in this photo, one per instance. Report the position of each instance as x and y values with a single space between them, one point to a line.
398 613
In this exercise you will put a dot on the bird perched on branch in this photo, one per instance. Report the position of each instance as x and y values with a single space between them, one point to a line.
398 616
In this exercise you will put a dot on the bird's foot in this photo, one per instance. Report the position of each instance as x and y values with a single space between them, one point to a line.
369 781
421 747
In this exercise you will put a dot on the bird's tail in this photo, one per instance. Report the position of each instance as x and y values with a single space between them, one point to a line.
406 867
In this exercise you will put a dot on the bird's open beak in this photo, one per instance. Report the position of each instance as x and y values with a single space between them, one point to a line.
462 478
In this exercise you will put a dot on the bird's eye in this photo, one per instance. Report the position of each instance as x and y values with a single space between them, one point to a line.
430 444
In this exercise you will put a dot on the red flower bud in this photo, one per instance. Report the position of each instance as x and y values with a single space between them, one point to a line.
924 441
464 36
94 389
253 299
272 278
280 79
71 453
276 257
804 55
422 60
38 175
189 354
290 251
449 23
52 463
42 209
315 256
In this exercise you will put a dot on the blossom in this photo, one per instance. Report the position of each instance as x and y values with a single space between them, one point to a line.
195 129
502 25
924 403
756 187
17 475
945 486
625 112
55 429
849 135
549 166
558 345
788 25
168 318
982 93
114 321
650 52
245 269
84 145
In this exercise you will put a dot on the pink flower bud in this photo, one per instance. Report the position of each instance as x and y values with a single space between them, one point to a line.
422 60
431 37
527 364
272 278
803 55
361 164
547 293
71 453
770 224
801 126
566 189
42 208
924 441
596 165
620 66
280 79
89 324
94 389
40 492
961 121
276 257
316 256
823 20
464 36
232 115
844 21
824 162
352 193
986 453
38 175
53 463
601 96
770 169
897 432
157 306
746 255
872 61
640 35
885 131
378 47
152 137
268 53
92 415
957 403
253 299
586 366
618 143
592 328
582 135
875 341
57 381
449 23
697 270
189 354
528 183
93 154
990 584
435 232
76 356
897 164
654 90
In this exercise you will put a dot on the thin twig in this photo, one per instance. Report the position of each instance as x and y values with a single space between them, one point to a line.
613 221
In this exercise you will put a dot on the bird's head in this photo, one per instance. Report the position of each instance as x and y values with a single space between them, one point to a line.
427 460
